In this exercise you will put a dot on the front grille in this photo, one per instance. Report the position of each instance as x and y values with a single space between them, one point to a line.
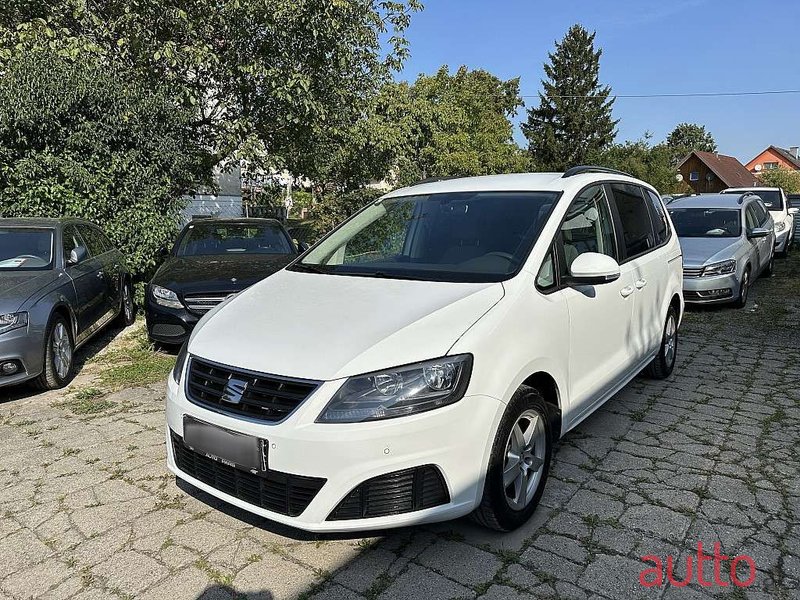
394 493
279 492
202 303
263 397
692 271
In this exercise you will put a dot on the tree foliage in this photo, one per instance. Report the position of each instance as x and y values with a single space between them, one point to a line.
690 136
573 119
79 138
782 178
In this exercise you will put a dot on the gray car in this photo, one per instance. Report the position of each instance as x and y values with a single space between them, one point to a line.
61 281
727 240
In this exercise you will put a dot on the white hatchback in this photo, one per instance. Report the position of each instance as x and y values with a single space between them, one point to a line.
419 362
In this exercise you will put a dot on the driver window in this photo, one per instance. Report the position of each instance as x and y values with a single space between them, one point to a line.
587 228
750 216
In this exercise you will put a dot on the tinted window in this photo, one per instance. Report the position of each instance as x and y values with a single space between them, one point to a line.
94 239
637 228
706 222
25 249
587 228
752 218
71 241
204 239
661 226
761 213
772 199
457 236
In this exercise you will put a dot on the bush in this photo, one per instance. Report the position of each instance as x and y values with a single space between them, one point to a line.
332 209
78 138
782 178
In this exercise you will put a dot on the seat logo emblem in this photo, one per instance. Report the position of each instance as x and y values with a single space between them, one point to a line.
234 390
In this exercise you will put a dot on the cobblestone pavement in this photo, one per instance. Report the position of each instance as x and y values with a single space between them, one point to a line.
711 455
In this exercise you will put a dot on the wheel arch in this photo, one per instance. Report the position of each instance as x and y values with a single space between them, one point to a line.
547 386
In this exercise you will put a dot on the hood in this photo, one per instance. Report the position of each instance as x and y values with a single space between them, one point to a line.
698 251
222 273
325 327
17 286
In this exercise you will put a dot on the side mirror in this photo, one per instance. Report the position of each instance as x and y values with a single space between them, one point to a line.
758 232
163 251
77 255
593 268
794 210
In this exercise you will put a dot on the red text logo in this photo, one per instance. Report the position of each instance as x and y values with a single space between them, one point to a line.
654 576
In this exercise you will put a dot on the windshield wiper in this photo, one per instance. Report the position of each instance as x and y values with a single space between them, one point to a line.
310 268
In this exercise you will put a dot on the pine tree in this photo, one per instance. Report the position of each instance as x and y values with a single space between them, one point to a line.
573 118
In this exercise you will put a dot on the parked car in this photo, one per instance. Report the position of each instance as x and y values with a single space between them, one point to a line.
61 281
419 362
794 202
211 260
728 240
782 214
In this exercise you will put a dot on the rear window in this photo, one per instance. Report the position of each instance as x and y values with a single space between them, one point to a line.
706 222
204 239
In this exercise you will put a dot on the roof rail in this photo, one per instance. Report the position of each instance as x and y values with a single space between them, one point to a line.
435 179
747 193
592 169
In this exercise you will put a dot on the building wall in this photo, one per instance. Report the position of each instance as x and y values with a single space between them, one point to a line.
768 156
702 185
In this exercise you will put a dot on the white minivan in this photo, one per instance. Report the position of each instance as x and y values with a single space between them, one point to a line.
419 362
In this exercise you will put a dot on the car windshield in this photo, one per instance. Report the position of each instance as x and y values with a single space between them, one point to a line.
706 222
23 249
202 239
459 236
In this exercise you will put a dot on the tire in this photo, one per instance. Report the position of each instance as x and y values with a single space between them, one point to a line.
497 510
664 362
59 347
127 312
770 268
744 290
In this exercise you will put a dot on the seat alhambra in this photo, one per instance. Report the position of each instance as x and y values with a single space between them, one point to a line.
419 362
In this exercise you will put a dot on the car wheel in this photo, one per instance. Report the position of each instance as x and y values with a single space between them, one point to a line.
127 313
664 362
770 266
59 350
744 290
519 463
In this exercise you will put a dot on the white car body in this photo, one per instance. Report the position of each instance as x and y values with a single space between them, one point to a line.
582 345
783 218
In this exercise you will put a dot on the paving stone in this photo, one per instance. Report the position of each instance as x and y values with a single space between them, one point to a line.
418 582
461 562
550 564
36 580
364 569
130 572
274 579
730 490
586 503
658 520
616 577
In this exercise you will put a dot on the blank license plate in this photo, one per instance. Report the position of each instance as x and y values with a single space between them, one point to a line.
227 447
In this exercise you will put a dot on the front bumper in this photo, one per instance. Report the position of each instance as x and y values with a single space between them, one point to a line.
26 347
456 439
169 325
782 240
711 290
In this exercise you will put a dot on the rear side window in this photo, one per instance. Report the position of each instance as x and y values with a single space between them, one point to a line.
751 218
637 228
587 227
95 239
660 224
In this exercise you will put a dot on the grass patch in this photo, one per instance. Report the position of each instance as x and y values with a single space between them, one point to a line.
135 363
214 574
85 405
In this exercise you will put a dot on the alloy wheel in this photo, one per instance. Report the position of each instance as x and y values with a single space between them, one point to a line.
745 287
525 453
670 339
62 350
127 302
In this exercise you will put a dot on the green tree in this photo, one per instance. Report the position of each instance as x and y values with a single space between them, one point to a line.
782 178
79 138
687 137
574 116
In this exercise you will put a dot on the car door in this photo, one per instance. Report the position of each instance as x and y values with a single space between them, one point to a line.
101 253
89 284
639 240
757 215
600 316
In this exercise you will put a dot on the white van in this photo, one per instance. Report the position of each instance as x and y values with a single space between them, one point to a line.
419 362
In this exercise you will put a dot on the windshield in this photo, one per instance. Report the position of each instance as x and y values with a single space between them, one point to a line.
202 239
25 249
706 222
460 236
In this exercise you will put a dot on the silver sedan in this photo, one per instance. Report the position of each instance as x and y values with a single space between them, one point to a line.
727 242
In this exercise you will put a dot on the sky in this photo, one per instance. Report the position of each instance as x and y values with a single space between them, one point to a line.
649 47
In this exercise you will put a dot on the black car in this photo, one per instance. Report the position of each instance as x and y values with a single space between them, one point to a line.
211 260
61 281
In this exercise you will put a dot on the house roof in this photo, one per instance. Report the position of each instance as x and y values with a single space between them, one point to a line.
787 156
730 171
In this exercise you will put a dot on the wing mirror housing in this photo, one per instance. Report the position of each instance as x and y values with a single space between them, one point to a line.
593 268
77 255
758 232
794 210
302 246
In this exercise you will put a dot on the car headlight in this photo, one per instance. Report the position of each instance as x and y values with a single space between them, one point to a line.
721 268
400 391
780 226
165 297
180 363
12 321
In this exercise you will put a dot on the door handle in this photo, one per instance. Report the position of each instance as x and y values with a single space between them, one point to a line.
626 291
100 274
640 283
